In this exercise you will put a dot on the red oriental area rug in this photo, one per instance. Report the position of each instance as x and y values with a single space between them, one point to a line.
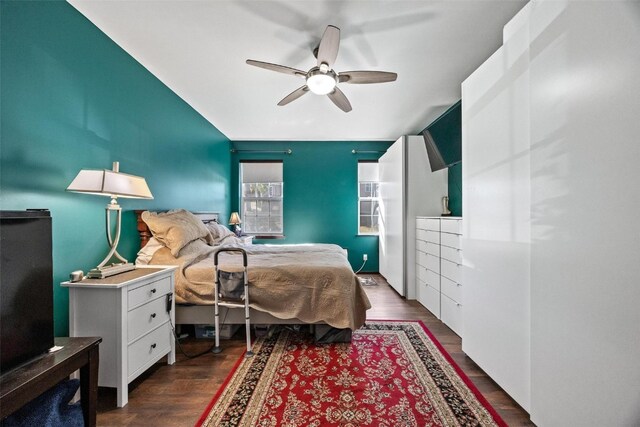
391 374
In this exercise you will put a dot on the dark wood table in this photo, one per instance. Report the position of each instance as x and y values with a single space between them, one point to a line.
23 384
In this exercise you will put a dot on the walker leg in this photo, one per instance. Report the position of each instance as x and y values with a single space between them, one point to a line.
247 319
216 349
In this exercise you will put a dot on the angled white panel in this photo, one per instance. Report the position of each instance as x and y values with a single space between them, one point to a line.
496 212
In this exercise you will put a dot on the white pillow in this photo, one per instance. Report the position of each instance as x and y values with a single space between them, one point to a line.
145 254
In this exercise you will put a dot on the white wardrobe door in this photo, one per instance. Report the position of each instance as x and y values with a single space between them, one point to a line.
391 169
585 283
496 211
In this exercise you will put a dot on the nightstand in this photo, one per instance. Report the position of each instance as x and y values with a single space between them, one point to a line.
247 240
129 311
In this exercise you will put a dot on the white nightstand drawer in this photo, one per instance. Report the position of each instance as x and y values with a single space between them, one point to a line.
146 293
451 240
146 317
149 348
431 300
450 270
451 289
433 263
452 254
451 226
421 245
451 313
432 236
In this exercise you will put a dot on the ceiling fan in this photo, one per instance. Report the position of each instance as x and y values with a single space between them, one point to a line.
323 79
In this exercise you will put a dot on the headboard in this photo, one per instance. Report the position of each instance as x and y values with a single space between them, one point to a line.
145 233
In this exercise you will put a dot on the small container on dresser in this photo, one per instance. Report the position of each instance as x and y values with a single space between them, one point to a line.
133 313
438 261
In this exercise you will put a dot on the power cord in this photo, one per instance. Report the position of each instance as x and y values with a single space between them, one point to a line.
193 356
362 266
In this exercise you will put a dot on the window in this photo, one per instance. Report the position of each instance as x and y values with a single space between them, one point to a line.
368 198
261 200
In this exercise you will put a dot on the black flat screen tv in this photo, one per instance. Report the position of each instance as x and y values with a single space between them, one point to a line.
26 286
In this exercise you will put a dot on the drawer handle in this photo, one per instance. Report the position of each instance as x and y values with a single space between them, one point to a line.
153 315
153 345
153 291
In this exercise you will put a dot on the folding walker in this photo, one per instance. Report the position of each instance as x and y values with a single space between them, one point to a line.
230 288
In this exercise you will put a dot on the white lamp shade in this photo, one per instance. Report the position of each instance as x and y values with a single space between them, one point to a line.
110 183
235 219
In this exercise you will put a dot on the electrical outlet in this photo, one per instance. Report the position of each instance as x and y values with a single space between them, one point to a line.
364 257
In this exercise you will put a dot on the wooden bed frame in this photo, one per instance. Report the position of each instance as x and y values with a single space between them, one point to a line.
204 314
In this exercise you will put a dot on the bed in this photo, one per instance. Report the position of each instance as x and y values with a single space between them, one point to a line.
289 284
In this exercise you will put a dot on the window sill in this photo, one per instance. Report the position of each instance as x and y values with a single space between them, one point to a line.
259 237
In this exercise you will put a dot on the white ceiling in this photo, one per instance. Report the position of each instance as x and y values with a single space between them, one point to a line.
199 48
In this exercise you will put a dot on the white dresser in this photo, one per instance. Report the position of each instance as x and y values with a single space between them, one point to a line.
129 311
438 261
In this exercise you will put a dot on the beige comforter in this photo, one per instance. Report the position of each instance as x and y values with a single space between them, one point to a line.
312 283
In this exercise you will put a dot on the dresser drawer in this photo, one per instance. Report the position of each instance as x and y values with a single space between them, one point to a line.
433 249
149 348
451 226
146 317
432 224
451 254
146 293
421 245
451 313
432 236
421 258
421 223
433 263
451 240
421 234
451 289
450 270
431 300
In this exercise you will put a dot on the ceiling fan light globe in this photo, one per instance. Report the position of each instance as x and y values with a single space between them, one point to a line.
321 84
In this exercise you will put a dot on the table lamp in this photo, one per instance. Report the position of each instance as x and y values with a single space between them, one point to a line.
114 184
235 221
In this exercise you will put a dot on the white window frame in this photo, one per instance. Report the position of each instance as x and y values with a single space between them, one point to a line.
365 198
268 198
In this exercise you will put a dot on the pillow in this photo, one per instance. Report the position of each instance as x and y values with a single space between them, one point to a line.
218 232
175 229
145 254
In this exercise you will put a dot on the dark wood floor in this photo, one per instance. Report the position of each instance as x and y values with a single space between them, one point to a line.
177 395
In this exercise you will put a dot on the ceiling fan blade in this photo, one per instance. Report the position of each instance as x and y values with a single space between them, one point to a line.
294 95
340 100
365 77
277 68
328 48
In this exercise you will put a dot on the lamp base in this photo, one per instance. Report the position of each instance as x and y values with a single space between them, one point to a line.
110 270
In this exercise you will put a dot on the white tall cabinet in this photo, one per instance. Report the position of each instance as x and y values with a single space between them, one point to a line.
408 188
551 192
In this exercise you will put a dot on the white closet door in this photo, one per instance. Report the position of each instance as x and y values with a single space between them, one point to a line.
496 211
391 168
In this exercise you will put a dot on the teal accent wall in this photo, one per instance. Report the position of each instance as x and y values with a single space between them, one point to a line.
320 193
447 134
72 99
